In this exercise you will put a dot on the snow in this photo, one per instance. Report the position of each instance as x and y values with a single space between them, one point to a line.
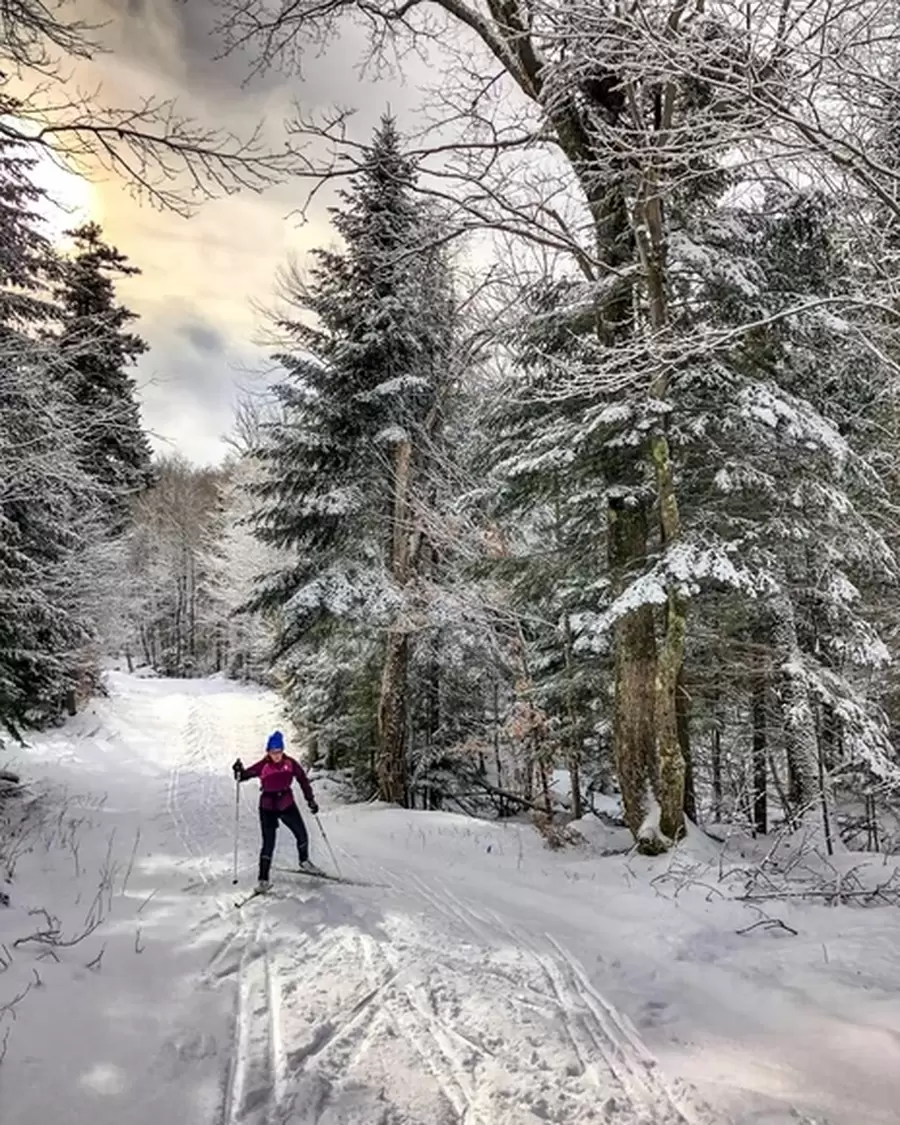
794 419
484 980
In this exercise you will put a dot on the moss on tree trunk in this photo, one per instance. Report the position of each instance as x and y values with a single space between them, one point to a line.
634 735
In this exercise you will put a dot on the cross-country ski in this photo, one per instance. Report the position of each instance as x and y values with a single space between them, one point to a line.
328 876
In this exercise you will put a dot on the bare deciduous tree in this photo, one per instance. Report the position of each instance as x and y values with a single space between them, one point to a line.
164 156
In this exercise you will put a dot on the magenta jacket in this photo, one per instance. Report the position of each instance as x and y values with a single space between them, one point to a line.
275 781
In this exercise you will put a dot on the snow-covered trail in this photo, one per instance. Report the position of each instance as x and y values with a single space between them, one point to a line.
484 981
323 1004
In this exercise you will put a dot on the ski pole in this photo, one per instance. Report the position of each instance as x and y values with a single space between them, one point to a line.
328 845
237 814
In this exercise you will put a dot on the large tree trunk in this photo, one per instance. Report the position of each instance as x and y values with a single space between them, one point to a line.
646 730
684 740
650 236
647 747
503 809
716 750
634 735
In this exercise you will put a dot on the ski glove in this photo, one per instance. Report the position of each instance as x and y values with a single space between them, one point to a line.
238 769
314 808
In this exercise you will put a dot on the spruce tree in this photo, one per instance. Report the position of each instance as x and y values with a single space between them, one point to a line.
99 351
345 463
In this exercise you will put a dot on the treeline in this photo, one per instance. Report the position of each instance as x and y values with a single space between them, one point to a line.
192 565
104 551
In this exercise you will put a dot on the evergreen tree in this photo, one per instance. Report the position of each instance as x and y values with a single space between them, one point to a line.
345 465
45 502
28 263
99 351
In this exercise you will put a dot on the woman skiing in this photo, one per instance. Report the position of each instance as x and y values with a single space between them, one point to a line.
277 772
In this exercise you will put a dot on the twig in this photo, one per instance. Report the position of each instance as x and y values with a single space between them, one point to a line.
147 899
52 921
52 937
769 924
95 965
10 1005
818 892
137 840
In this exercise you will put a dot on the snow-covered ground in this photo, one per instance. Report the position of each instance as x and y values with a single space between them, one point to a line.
483 980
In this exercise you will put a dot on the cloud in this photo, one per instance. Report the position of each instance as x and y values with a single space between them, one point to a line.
190 380
203 338
204 279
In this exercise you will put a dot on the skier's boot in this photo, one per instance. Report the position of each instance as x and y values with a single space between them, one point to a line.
307 867
265 865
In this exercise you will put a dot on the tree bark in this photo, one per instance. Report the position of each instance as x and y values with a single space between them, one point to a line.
573 740
634 643
146 649
716 751
683 701
498 764
650 236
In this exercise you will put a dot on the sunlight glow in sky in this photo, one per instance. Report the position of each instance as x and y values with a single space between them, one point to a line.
70 201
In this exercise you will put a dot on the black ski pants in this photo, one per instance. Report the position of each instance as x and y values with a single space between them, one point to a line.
268 822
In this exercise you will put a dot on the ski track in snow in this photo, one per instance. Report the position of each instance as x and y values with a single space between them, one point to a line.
593 1027
254 1087
410 998
193 818
407 1003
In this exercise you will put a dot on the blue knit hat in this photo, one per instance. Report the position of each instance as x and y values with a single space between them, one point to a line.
276 741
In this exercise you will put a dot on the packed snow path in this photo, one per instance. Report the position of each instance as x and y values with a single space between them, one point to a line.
482 981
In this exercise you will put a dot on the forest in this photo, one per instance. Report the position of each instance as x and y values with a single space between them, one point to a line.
578 477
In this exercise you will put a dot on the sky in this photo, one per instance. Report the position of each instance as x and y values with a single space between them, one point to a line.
207 281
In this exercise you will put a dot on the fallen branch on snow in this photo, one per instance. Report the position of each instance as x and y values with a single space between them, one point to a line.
769 924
